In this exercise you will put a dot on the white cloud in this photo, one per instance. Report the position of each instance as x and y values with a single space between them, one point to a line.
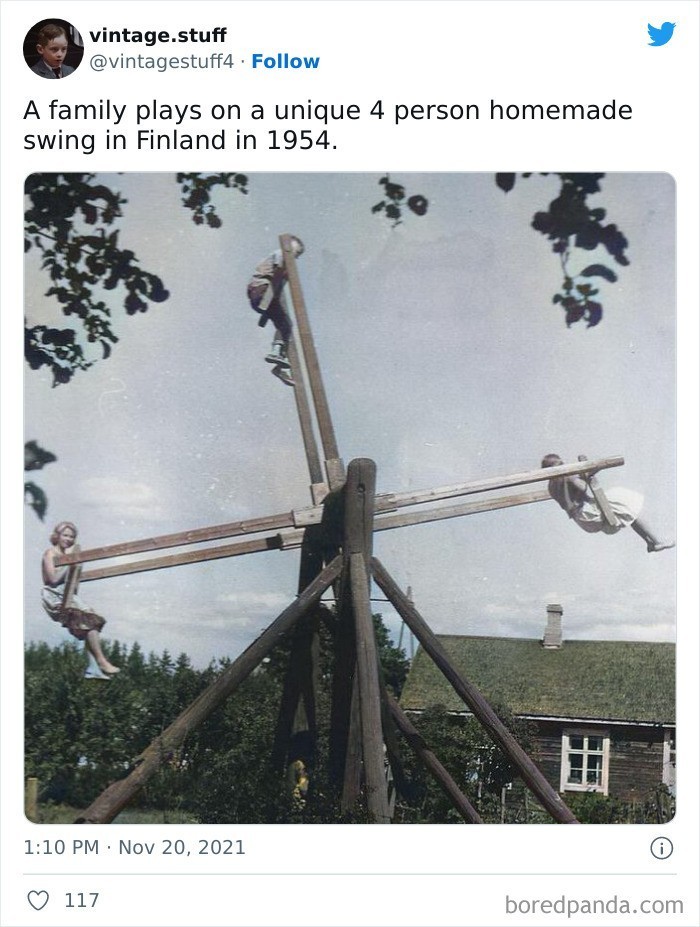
121 498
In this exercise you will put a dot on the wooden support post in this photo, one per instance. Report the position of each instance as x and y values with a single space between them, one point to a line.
31 800
308 350
474 700
116 796
357 550
296 721
369 697
459 801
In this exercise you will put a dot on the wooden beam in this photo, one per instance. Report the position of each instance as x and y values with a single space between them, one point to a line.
313 515
301 398
389 522
72 581
291 540
601 499
474 700
116 796
253 546
426 756
398 500
313 368
181 538
390 502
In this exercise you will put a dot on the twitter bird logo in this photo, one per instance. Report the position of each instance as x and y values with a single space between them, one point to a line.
661 35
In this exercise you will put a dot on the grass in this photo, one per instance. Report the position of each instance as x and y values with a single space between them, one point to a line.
65 814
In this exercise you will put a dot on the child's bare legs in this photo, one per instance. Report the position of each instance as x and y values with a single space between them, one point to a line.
94 647
653 543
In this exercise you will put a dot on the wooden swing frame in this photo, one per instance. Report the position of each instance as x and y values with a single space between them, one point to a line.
335 536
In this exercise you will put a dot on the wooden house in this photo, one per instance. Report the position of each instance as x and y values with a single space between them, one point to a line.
602 712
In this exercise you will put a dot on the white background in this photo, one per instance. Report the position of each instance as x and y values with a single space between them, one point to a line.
403 53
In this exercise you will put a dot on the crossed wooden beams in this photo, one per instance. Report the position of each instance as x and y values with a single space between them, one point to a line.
286 530
363 714
335 536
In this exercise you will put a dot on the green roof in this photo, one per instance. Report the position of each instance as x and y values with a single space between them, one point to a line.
598 680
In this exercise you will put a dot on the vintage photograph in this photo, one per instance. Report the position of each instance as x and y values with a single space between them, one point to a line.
350 498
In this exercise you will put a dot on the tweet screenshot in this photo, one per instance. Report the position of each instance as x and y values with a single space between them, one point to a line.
357 391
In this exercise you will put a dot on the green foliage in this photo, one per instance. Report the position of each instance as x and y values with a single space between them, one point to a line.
478 767
656 807
394 662
81 735
570 223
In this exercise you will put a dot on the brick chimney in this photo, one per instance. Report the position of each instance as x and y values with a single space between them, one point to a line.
552 633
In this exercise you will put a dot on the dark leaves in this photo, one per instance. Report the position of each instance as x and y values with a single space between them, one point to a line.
395 195
418 204
599 270
196 194
35 498
36 457
505 182
81 265
571 223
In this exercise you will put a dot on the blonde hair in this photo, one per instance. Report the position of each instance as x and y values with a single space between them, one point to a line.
59 528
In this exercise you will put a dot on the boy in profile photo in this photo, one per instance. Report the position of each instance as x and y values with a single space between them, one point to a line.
53 46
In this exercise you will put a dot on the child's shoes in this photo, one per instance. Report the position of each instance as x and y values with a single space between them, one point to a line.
283 375
277 360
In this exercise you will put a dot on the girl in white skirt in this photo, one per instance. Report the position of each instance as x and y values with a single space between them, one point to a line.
574 495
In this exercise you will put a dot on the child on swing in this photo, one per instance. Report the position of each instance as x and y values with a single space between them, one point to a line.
271 275
79 620
574 495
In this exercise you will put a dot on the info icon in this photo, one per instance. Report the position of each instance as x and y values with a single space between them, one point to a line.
661 848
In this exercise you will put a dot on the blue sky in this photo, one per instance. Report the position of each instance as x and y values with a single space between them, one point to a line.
444 360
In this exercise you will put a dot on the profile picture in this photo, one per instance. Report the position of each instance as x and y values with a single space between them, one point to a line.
53 48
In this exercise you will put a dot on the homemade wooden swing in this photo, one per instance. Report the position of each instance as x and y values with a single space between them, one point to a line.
335 535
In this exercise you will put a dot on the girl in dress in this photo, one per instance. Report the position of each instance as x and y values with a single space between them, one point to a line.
79 620
574 495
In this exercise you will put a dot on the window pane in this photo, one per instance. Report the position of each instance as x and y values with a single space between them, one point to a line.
577 743
595 743
576 767
594 770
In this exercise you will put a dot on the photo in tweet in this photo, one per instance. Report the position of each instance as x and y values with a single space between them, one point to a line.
303 574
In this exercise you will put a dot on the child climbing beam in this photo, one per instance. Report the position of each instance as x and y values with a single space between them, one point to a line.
264 291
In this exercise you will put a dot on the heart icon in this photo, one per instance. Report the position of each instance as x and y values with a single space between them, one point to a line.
38 900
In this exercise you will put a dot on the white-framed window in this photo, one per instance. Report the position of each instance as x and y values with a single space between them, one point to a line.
585 759
669 761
